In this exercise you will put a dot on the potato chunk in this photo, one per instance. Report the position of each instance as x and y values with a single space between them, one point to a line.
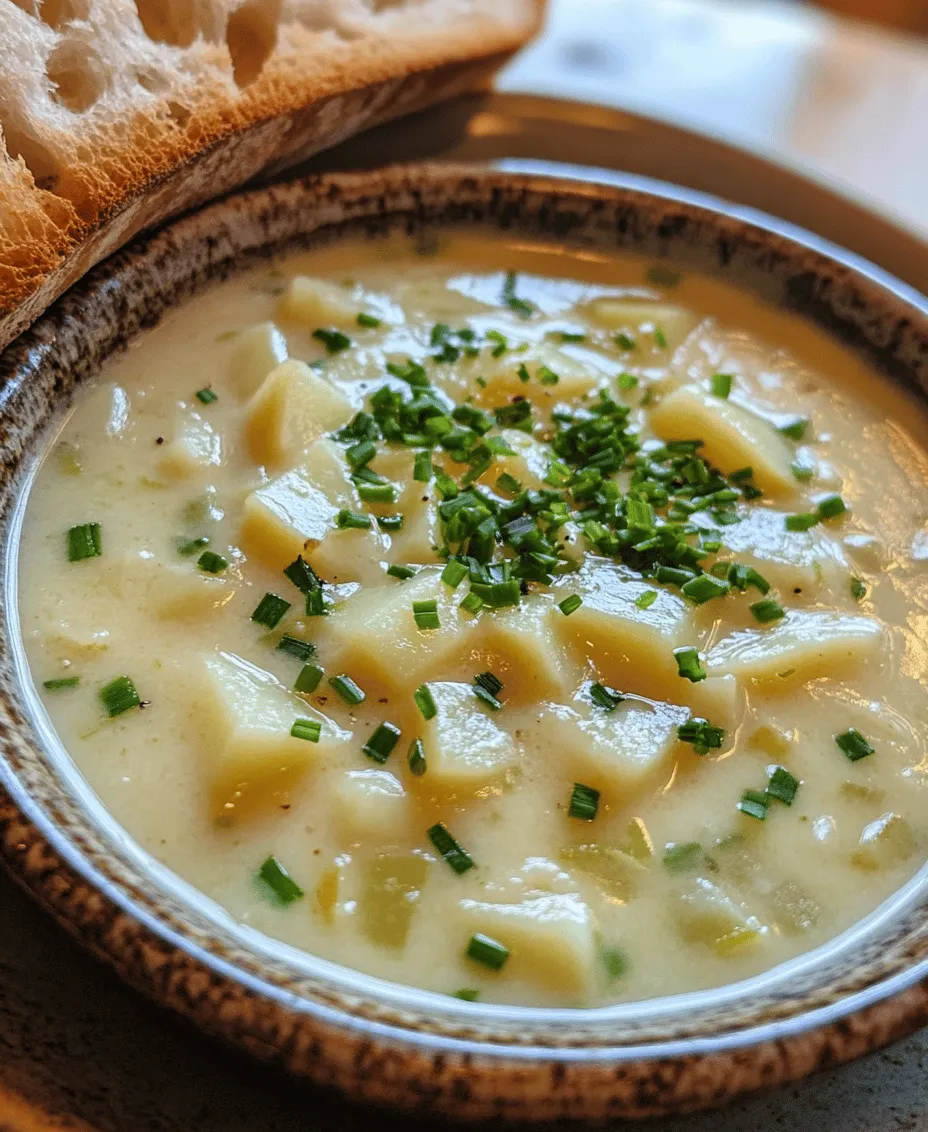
551 938
707 914
393 884
371 805
286 517
196 448
802 646
885 843
732 437
248 717
259 349
317 302
639 318
521 647
576 371
464 746
293 406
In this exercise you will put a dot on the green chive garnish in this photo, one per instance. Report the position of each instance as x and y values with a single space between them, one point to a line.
487 687
449 849
490 952
382 742
627 381
584 802
660 338
454 573
804 521
308 679
189 548
212 563
853 744
625 341
416 758
303 576
782 785
831 507
367 320
547 376
84 542
119 696
467 994
422 469
703 736
615 961
796 429
704 588
308 729
509 484
607 698
390 522
522 307
398 570
360 454
426 615
269 611
858 589
473 603
279 881
347 520
570 604
206 396
347 689
767 610
425 701
293 646
754 803
682 856
333 340
720 384
376 492
688 664
646 600
61 683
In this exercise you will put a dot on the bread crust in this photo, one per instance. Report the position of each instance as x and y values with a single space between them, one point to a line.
86 193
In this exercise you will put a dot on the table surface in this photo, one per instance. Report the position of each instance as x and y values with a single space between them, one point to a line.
847 105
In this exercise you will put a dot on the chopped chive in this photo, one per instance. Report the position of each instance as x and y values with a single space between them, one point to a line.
293 646
347 520
473 603
315 604
398 570
802 472
831 507
782 785
703 736
674 575
347 689
646 600
547 376
490 952
509 484
720 384
61 683
627 381
767 610
84 542
497 595
212 563
795 430
367 320
189 548
487 687
425 701
269 610
501 344
302 575
333 340
308 729
382 742
454 573
390 522
682 856
360 455
422 469
416 758
688 664
584 802
853 744
206 396
570 604
523 373
308 679
615 962
804 521
279 881
754 804
660 338
858 589
376 492
704 588
607 698
449 849
467 994
426 615
522 307
119 696
625 341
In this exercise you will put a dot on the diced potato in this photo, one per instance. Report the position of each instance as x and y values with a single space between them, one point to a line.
707 914
293 406
804 645
465 746
732 437
349 556
793 908
259 349
418 505
577 372
613 751
617 874
551 938
639 318
885 843
392 887
248 716
197 448
184 594
371 805
520 646
720 699
317 303
284 518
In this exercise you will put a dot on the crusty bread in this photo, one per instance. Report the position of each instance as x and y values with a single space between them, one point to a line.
116 114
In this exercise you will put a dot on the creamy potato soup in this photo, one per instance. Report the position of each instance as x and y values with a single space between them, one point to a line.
526 625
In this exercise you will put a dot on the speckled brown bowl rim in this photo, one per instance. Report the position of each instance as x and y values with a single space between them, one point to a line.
376 1040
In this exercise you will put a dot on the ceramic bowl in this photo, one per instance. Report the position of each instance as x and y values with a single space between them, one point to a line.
374 1040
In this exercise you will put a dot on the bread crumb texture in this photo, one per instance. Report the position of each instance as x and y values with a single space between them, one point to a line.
104 102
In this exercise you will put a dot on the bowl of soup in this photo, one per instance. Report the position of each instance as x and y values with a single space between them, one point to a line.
464 638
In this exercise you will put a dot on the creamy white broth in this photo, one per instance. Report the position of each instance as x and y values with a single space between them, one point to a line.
734 895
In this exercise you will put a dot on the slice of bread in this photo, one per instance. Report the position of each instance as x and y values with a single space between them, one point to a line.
116 114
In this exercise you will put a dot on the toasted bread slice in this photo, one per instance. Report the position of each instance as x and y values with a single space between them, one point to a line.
115 114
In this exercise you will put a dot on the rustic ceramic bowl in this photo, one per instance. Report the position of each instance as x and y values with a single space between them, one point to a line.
374 1040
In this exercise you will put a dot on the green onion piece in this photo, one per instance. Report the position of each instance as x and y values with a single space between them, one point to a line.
333 340
397 570
61 683
615 962
627 381
804 521
351 520
390 522
607 698
308 679
315 604
308 729
490 952
802 472
682 856
497 595
688 664
347 689
119 696
367 320
467 994
212 563
279 881
547 376
84 542
660 338
704 588
584 802
767 610
426 615
449 849
795 430
625 341
509 484
361 454
293 646
782 785
382 742
454 573
416 758
831 507
487 688
570 604
754 804
703 736
720 384
206 396
858 589
422 469
646 600
269 611
425 701
522 307
473 603
853 744
303 576
523 373
376 492
192 546
501 344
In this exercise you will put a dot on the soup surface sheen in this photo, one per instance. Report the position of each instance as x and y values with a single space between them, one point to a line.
696 747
